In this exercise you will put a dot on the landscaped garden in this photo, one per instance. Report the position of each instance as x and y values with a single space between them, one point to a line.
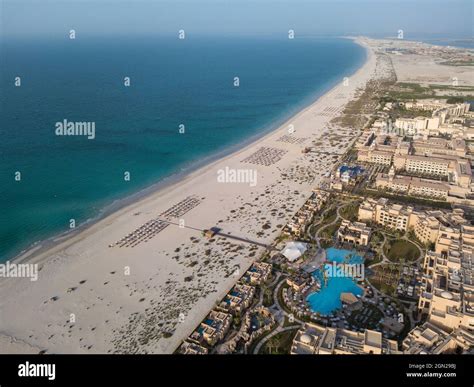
279 344
350 211
385 278
401 250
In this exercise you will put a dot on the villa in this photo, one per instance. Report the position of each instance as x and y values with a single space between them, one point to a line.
356 233
297 225
238 299
258 273
298 282
213 328
189 348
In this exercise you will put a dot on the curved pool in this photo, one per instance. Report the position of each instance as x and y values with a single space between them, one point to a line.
327 299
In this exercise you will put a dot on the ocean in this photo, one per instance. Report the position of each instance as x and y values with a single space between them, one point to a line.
48 179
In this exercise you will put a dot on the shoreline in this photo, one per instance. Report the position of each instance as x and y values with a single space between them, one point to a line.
43 245
116 312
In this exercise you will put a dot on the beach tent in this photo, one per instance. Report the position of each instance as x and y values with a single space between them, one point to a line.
294 250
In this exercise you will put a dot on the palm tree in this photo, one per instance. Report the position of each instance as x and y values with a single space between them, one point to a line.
272 344
268 294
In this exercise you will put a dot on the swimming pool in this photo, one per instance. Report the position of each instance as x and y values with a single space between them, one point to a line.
327 300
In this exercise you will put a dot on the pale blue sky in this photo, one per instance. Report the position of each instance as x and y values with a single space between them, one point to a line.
446 18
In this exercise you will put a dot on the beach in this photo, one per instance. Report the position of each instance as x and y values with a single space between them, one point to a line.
142 278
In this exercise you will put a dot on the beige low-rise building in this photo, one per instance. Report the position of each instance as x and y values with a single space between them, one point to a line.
213 328
238 299
456 170
412 126
428 339
382 157
458 109
421 165
447 291
439 146
356 233
190 348
298 282
426 225
258 273
315 339
413 186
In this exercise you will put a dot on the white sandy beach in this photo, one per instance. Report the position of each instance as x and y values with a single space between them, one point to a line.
123 299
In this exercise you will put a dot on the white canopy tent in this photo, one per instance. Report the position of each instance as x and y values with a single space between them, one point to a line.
294 250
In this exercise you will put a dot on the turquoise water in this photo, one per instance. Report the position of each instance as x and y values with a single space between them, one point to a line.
327 299
173 82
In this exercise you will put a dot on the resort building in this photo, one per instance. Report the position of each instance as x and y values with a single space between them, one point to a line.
349 174
447 291
213 328
356 233
428 339
375 156
413 186
238 299
190 348
315 339
426 225
380 149
458 109
439 146
390 215
445 118
457 171
441 162
258 273
412 126
297 225
298 282
421 165
365 139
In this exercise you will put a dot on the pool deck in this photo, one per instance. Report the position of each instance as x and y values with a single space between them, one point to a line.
316 262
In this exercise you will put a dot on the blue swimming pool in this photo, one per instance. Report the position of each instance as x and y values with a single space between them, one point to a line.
327 299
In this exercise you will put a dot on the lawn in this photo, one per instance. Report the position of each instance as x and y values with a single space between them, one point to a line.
401 250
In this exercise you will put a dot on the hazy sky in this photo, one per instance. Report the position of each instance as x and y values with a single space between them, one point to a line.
445 18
